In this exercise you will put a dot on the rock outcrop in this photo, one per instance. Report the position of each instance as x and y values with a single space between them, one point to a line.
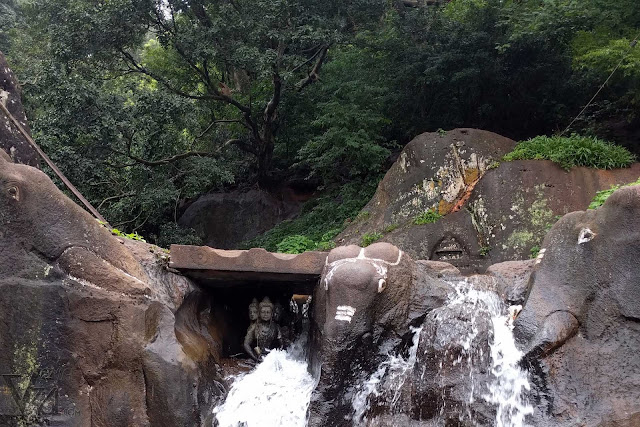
227 219
10 139
491 211
95 330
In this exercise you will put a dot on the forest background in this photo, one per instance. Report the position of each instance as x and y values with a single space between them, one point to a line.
146 104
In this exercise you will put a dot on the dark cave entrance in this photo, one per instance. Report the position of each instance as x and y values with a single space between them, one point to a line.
230 314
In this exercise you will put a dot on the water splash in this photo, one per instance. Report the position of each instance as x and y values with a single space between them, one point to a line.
491 376
276 393
510 384
395 371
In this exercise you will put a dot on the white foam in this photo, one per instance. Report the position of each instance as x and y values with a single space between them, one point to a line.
276 393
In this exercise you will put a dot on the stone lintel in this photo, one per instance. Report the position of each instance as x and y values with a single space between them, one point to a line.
223 268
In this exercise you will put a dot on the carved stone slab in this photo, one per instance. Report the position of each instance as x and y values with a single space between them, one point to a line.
224 268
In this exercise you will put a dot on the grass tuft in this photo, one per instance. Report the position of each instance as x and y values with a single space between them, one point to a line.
573 151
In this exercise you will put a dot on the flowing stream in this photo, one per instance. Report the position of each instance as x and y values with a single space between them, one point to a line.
278 391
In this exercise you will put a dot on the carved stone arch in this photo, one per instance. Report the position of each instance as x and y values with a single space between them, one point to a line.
452 249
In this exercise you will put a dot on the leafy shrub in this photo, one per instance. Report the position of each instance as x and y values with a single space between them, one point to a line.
321 219
535 250
296 244
427 217
573 151
602 196
369 238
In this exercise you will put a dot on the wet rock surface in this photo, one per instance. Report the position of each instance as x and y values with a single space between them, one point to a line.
90 322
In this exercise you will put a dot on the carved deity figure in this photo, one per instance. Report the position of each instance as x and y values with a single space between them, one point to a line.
253 311
264 334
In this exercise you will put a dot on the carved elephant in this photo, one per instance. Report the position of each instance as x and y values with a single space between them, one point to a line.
362 307
40 227
587 277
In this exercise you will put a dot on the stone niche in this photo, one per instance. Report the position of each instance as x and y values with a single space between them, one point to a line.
231 279
450 250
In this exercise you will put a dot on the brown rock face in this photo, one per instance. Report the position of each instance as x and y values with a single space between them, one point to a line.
491 212
228 219
10 139
93 321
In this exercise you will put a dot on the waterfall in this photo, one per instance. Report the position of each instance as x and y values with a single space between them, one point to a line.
276 393
395 370
498 381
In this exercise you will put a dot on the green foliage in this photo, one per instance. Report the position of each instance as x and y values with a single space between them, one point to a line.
535 250
321 219
117 92
296 244
170 233
602 196
484 251
428 217
369 238
573 151
130 236
389 228
362 216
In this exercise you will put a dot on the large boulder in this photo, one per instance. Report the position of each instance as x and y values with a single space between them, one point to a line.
580 325
227 219
95 330
491 212
10 138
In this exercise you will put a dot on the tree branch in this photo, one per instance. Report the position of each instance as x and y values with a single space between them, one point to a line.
119 196
167 160
313 74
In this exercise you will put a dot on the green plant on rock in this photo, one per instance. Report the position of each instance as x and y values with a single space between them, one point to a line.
296 244
535 250
484 251
362 216
428 217
573 151
389 228
130 236
602 196
369 238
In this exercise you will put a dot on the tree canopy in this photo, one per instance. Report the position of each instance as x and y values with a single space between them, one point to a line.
145 104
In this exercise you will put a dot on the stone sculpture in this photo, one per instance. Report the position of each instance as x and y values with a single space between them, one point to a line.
253 311
40 225
264 333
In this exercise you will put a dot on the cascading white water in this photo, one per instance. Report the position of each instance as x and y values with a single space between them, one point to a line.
508 384
507 390
276 393
511 382
396 369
